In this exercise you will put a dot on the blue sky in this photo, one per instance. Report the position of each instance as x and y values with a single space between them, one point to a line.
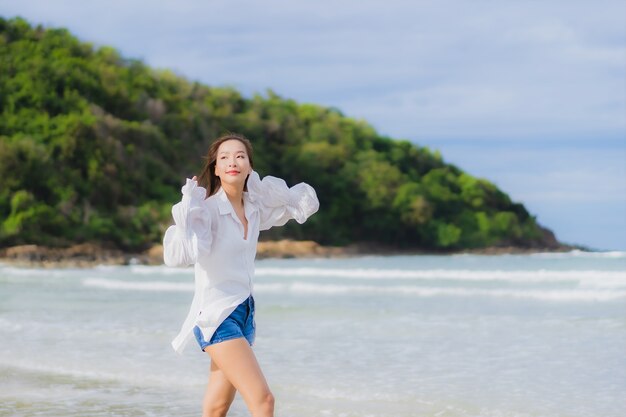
529 94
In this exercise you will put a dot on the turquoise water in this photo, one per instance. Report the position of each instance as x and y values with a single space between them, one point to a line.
450 336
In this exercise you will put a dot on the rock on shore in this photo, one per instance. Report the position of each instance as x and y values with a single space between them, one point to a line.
88 254
76 256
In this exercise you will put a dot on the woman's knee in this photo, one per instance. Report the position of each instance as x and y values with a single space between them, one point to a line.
266 402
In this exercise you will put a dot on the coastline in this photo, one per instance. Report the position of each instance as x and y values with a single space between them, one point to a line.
87 255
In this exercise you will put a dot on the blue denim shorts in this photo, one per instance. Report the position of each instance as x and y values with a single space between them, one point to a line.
240 323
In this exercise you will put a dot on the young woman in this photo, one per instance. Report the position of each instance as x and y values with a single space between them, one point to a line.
217 226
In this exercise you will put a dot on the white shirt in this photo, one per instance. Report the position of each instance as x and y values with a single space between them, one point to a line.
208 233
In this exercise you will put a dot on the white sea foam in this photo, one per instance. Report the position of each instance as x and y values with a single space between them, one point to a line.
410 290
159 269
7 325
8 270
580 254
546 295
120 374
40 272
110 284
614 278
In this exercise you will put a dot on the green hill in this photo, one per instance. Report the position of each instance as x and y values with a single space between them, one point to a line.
94 148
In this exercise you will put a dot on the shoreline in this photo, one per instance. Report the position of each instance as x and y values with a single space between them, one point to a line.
87 255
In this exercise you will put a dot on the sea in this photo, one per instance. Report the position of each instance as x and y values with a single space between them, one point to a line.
374 336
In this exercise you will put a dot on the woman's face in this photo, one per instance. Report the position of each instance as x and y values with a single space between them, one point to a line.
232 165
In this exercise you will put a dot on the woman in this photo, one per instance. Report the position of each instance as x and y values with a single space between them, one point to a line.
217 228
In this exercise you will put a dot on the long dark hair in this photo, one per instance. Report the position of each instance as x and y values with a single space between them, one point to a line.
207 178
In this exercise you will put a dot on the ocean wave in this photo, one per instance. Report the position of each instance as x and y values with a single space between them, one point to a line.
426 292
110 284
7 270
300 287
580 254
159 269
613 279
108 375
9 326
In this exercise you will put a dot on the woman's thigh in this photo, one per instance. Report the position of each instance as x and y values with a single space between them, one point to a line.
237 361
219 394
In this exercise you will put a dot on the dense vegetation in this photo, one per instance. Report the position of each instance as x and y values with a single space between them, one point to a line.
95 147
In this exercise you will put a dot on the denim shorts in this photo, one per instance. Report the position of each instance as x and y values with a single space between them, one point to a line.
240 323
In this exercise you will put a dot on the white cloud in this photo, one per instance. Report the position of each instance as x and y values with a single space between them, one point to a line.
440 68
556 174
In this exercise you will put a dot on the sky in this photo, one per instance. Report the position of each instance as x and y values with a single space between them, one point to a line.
528 94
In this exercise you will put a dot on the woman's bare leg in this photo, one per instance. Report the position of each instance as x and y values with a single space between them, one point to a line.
219 394
236 360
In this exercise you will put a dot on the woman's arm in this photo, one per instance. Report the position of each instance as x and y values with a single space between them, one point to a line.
278 203
191 234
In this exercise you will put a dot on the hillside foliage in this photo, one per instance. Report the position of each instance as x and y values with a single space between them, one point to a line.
95 147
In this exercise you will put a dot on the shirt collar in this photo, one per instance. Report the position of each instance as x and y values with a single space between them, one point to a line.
225 207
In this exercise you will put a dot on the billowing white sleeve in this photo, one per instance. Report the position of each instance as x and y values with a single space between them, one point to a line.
190 236
278 203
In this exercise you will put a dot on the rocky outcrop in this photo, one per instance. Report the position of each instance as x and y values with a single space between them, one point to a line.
297 249
89 254
80 255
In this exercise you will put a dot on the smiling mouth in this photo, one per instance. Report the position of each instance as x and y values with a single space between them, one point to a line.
232 172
